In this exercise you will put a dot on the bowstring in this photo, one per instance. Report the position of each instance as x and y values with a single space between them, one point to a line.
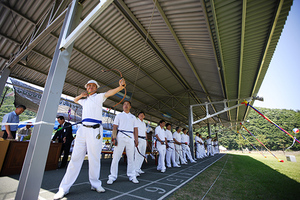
143 53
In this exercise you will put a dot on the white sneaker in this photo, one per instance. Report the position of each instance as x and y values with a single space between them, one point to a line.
137 174
141 171
193 161
177 166
100 189
163 171
60 194
134 180
109 182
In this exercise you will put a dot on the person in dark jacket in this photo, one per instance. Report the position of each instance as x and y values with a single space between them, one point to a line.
64 135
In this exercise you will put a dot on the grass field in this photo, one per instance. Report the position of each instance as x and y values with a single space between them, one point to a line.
246 176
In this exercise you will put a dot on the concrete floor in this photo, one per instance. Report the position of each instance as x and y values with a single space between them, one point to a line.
153 184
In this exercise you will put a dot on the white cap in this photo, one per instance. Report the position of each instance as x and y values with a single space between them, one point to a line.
92 81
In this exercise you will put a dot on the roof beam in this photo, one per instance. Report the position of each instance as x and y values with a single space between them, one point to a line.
17 13
266 50
213 46
161 12
67 40
36 40
244 12
135 64
267 46
94 60
143 33
10 39
212 4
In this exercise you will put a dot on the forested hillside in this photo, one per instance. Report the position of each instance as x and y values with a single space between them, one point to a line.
268 134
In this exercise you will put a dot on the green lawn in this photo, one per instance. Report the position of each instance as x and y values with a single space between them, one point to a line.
246 176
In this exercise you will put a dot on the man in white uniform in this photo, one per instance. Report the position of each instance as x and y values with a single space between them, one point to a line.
178 149
170 154
202 148
216 151
142 139
125 135
161 142
88 138
185 146
209 150
198 148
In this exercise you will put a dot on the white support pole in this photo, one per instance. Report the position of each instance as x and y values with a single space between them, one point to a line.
34 164
191 134
66 41
217 113
225 107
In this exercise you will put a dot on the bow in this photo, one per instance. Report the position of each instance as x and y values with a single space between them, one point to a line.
125 91
138 150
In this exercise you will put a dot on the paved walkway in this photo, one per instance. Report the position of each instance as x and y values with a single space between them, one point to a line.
153 184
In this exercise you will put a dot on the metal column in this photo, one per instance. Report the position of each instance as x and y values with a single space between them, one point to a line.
191 134
3 79
36 156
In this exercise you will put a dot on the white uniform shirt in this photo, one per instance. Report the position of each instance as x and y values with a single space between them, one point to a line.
208 141
125 122
177 136
160 132
141 127
92 107
169 135
197 139
200 140
185 138
182 137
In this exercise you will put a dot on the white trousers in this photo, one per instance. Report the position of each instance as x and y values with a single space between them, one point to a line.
178 154
162 155
209 150
139 159
187 152
85 141
202 151
212 150
216 149
170 155
198 152
128 143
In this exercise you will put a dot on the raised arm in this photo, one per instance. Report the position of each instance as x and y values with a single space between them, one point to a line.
112 92
83 94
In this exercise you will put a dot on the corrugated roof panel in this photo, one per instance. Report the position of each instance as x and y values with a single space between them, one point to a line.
162 70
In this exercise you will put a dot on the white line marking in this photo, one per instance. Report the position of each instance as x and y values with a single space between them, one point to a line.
165 195
166 177
215 180
128 194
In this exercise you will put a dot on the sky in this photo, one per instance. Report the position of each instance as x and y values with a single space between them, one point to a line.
280 87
